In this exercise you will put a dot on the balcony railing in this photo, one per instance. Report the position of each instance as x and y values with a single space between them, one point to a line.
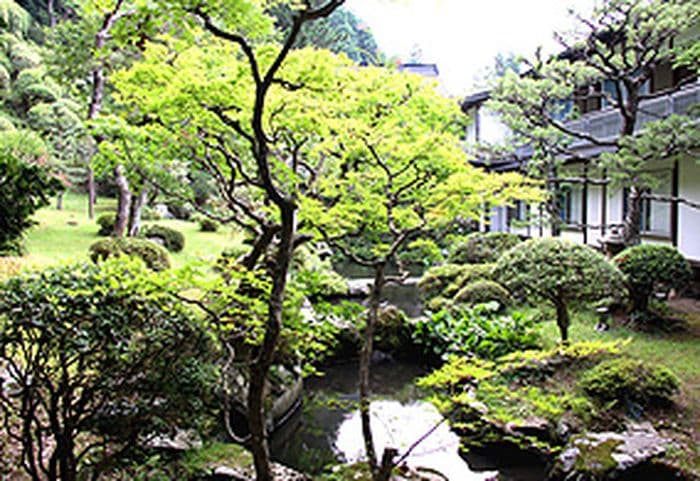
606 124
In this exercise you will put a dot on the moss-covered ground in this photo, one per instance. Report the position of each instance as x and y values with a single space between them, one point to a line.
679 350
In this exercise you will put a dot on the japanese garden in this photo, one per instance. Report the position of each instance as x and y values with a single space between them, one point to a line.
241 241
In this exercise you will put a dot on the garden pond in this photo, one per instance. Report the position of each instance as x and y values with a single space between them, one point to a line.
327 430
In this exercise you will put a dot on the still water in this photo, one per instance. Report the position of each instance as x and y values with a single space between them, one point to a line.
327 428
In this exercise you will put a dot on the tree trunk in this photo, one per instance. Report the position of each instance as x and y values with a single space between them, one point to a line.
59 200
261 365
554 204
563 320
51 13
640 300
633 218
137 204
91 193
99 81
260 246
123 202
365 360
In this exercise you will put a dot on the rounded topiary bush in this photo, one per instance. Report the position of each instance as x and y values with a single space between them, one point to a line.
207 225
647 267
393 332
559 272
482 291
153 255
172 240
447 279
106 223
149 213
481 247
630 380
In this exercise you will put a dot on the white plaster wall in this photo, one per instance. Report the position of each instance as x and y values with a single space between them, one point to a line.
689 218
572 235
491 129
595 205
615 206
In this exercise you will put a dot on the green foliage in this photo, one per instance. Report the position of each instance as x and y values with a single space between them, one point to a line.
9 266
149 213
648 267
197 462
576 355
153 255
393 332
624 380
478 330
106 223
13 18
421 252
559 272
206 224
486 405
128 358
173 240
25 186
446 280
313 275
482 291
340 32
482 247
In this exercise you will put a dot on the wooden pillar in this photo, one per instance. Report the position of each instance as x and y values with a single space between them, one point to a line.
604 203
584 206
674 204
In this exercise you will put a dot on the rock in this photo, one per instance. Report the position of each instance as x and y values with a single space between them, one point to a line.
183 440
280 472
607 454
163 211
537 427
157 240
359 287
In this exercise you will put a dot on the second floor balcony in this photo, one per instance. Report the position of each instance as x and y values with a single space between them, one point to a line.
606 124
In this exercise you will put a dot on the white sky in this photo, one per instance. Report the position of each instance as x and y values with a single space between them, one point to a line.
463 36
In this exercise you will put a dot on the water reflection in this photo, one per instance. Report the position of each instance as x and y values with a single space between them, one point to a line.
400 425
327 429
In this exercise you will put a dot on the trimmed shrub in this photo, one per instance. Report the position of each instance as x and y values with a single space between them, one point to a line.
172 240
481 291
106 223
149 213
624 380
207 225
25 186
128 359
559 272
448 279
421 252
153 255
648 267
481 247
393 331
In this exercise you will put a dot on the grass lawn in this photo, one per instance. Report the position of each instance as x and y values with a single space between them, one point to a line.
679 351
64 236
